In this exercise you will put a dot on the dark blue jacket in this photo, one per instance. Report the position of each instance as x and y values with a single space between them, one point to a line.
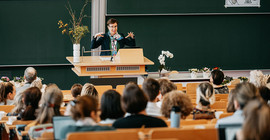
106 41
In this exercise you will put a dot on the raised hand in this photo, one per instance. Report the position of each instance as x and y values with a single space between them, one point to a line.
130 34
99 35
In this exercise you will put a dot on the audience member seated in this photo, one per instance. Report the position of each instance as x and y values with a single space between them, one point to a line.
84 112
30 74
165 87
89 89
244 92
19 106
217 78
268 82
31 98
265 93
134 101
50 105
230 105
179 99
110 107
75 90
151 88
38 83
257 78
257 122
7 93
204 97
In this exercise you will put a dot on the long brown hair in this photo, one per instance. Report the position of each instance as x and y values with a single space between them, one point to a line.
244 92
51 102
257 121
5 89
31 99
83 107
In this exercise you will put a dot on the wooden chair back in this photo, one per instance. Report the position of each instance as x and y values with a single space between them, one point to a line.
222 96
193 122
179 86
191 88
235 81
46 136
105 135
67 96
188 122
120 89
223 115
219 105
230 87
185 134
101 89
6 108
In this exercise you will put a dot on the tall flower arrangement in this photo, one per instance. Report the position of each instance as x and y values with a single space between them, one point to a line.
77 29
161 59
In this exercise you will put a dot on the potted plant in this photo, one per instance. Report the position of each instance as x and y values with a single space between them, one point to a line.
193 72
206 72
76 31
163 70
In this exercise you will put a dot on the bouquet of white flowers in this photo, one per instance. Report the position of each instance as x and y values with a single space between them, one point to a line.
161 59
193 70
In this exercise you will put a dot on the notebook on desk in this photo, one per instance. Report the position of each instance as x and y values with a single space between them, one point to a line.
228 131
59 122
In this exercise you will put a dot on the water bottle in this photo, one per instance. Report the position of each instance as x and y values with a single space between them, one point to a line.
175 117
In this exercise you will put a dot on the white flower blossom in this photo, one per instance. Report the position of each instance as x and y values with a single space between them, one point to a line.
193 70
257 78
161 57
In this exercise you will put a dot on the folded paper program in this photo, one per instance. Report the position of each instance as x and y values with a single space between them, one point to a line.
105 58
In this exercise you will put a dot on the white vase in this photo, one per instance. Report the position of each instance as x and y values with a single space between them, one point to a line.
193 75
206 74
76 53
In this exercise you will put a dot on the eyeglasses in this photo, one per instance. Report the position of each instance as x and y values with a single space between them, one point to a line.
113 26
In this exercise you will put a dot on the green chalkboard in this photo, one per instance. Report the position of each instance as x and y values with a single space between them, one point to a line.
230 41
29 32
178 6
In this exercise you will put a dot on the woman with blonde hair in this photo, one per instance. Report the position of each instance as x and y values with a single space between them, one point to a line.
244 92
257 121
89 89
179 99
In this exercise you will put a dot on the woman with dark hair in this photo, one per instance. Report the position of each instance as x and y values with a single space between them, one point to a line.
75 90
165 87
84 112
134 101
112 40
110 107
204 97
217 78
7 93
51 101
265 93
31 98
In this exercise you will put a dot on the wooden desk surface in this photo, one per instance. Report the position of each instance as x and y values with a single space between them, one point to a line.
97 61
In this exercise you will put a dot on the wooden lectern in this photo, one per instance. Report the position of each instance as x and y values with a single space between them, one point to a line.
126 62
